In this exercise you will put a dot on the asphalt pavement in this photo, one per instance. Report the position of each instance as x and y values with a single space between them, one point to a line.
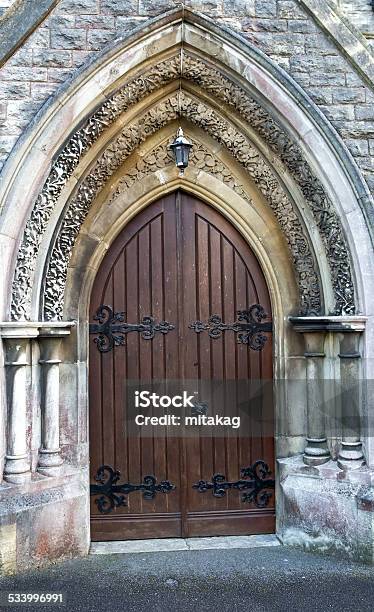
261 580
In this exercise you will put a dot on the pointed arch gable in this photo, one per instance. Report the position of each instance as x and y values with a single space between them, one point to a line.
91 104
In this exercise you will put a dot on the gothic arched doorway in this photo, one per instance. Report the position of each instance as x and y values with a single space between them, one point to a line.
182 263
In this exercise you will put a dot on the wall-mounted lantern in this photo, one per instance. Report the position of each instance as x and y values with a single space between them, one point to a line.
181 148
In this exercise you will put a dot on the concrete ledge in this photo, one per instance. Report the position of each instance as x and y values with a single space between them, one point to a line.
172 544
17 23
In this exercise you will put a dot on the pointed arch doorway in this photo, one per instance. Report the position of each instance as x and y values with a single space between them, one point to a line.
165 307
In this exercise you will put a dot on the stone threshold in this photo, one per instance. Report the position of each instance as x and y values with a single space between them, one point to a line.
176 544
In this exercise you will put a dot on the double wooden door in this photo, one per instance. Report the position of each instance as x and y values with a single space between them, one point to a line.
180 302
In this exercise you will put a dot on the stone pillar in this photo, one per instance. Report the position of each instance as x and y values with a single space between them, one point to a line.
350 455
17 463
316 451
50 459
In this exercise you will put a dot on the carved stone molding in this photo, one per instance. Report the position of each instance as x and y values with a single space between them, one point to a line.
327 221
240 148
63 167
233 95
162 157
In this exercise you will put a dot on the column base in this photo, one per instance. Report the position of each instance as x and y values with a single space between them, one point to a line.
350 456
50 462
316 451
17 469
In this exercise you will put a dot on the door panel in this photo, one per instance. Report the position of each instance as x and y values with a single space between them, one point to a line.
180 261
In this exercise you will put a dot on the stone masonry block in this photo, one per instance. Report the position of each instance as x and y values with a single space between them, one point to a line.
155 7
279 43
320 79
289 9
311 63
97 22
264 25
13 90
68 38
119 7
125 24
319 43
38 40
354 80
58 75
357 129
52 58
97 39
351 95
321 95
22 57
364 111
60 21
239 8
302 26
302 78
20 73
211 7
358 148
42 91
78 7
80 57
339 112
266 9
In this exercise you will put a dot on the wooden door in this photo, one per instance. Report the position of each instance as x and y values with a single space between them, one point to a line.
164 307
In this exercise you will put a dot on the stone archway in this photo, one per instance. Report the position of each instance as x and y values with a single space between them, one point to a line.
276 163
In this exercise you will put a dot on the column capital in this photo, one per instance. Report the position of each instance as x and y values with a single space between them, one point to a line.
33 329
336 324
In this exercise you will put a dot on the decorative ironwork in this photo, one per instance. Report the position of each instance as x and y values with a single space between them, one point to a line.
112 328
256 486
249 327
113 495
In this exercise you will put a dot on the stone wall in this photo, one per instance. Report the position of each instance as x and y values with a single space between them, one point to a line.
360 13
78 29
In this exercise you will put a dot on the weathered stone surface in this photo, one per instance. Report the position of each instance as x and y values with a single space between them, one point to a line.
357 147
266 9
51 58
99 22
339 112
155 7
19 73
364 111
17 25
79 7
60 21
289 9
264 25
68 38
96 39
58 75
13 90
347 95
119 7
239 8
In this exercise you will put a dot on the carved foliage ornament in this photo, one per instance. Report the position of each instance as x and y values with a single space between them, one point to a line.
214 81
241 149
291 155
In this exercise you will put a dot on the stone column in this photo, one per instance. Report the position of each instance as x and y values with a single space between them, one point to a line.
50 459
350 455
17 463
316 451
